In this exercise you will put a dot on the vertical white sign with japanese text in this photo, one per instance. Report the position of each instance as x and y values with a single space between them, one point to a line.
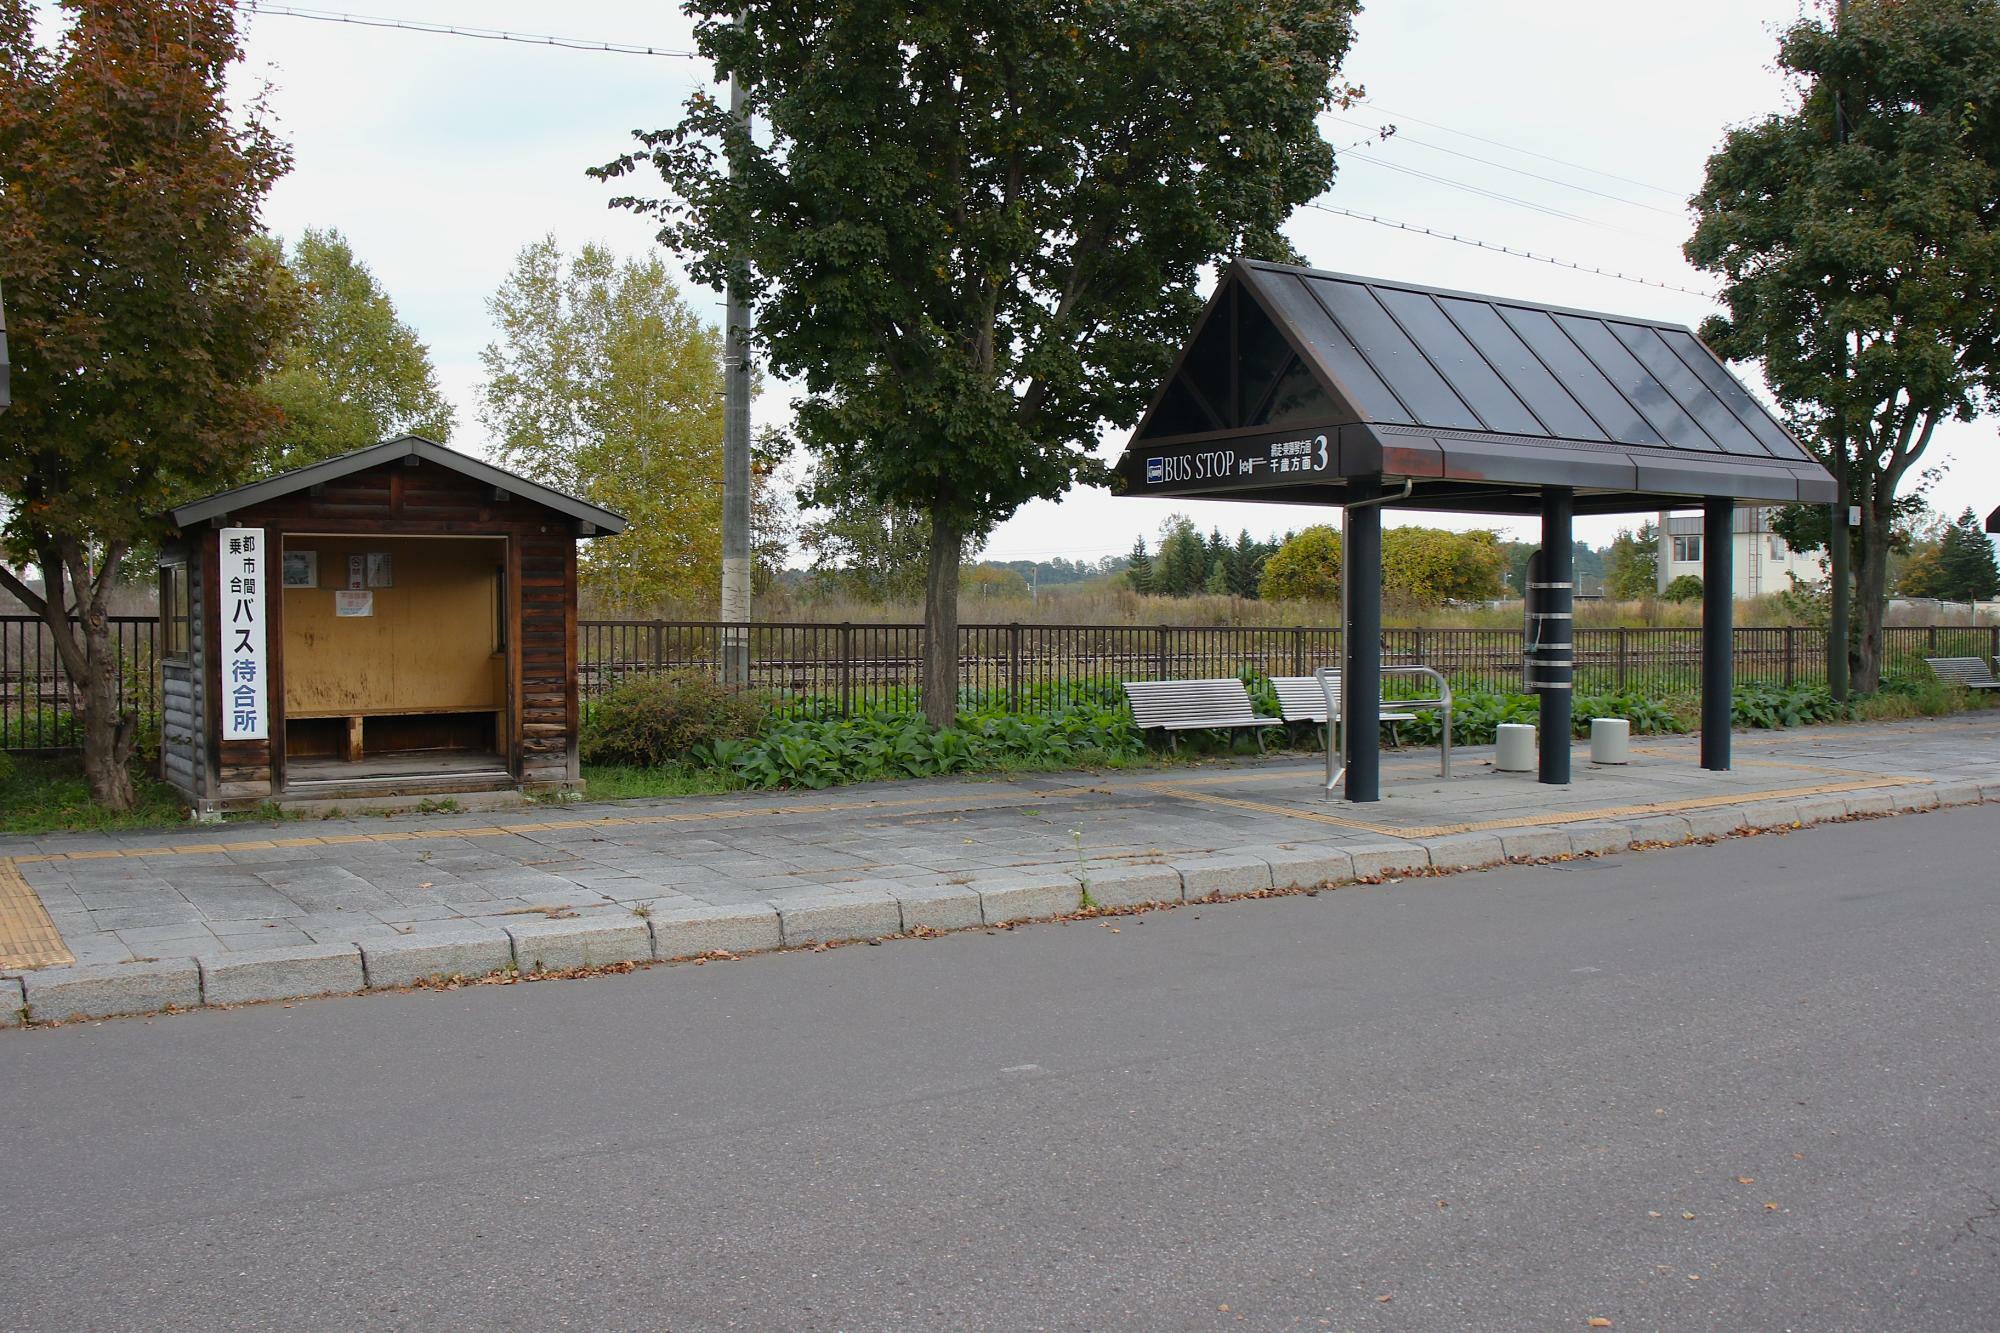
245 698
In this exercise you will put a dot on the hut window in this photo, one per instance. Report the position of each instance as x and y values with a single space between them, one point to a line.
176 610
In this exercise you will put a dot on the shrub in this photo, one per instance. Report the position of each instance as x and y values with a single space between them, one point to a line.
1685 588
1763 704
651 721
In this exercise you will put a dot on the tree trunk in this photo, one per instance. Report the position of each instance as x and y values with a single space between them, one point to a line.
1871 583
940 667
85 650
107 736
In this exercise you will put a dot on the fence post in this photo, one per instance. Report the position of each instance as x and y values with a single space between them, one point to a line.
1014 667
1791 656
1419 658
1930 639
1298 650
659 644
1160 653
1994 651
1622 636
846 668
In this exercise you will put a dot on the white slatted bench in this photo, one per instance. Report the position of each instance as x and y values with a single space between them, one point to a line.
1300 699
1974 673
1195 705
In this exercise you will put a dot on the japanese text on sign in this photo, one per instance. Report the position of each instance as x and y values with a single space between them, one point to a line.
245 696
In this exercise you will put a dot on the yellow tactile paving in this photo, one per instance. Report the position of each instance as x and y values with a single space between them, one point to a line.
27 937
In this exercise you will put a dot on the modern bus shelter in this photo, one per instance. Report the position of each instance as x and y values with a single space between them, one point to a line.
1313 388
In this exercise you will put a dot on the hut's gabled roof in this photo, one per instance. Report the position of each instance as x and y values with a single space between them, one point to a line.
1295 381
597 521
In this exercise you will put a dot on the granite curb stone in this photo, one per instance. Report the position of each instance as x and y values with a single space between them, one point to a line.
1820 809
1957 793
1388 858
1660 828
1871 803
469 951
690 931
1224 873
559 945
1534 844
1465 851
13 1002
1770 815
937 906
1308 866
1131 885
1718 823
280 974
1599 839
1024 898
830 918
104 990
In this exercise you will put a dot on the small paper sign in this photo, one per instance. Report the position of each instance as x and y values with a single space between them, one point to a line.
346 603
302 569
381 570
357 571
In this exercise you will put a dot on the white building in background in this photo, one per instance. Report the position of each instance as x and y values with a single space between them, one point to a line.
1760 561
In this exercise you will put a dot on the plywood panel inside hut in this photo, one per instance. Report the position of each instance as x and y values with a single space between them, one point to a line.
433 644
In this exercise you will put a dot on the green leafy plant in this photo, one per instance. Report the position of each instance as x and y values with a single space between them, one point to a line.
650 721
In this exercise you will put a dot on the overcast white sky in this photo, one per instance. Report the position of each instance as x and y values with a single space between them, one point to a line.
441 156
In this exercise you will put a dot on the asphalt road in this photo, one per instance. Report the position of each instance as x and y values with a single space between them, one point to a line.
1755 1085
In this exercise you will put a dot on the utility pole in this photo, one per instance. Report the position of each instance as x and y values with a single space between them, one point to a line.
1839 558
736 455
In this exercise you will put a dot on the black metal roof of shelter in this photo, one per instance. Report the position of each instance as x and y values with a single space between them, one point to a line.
1993 521
595 520
1296 381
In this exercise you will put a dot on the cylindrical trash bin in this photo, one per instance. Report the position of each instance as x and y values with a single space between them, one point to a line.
1514 747
1610 740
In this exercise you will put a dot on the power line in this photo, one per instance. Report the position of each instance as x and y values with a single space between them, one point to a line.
1508 250
1526 152
1522 171
454 30
1497 196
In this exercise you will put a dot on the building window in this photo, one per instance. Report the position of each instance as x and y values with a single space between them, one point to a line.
1777 548
1687 549
176 611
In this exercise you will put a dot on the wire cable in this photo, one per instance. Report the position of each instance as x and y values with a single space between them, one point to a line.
1400 137
1497 196
455 30
1476 243
1526 152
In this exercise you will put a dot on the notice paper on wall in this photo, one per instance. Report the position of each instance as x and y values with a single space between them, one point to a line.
347 603
245 697
357 571
381 570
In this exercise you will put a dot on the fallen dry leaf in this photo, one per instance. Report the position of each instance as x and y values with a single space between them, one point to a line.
1597 1321
1687 1217
1770 1207
1655 1214
1746 1180
1384 1299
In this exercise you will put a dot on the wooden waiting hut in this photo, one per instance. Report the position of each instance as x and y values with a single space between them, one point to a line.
394 622
1303 387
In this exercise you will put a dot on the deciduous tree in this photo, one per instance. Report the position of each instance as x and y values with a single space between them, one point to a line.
605 383
976 231
1306 568
355 374
1632 568
140 318
1858 234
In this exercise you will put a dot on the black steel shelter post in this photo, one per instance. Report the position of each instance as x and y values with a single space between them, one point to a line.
1554 602
1718 610
1361 677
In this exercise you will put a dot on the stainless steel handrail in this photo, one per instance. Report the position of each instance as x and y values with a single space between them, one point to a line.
1335 718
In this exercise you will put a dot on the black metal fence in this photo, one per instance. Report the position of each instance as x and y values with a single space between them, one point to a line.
848 667
845 667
